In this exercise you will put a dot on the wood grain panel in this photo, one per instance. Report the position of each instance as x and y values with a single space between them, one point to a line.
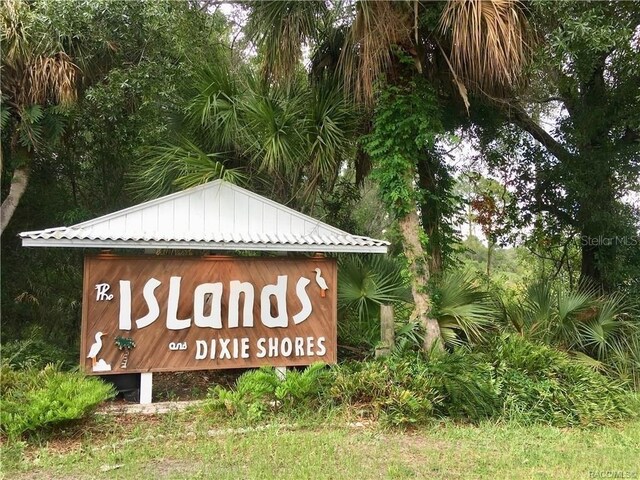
152 352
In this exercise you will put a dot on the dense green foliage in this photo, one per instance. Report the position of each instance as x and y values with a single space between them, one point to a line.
261 391
34 399
511 378
570 183
603 330
406 126
536 383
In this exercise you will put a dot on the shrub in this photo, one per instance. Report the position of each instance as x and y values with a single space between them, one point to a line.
36 353
537 383
411 389
464 310
600 330
465 382
259 391
389 390
35 399
510 378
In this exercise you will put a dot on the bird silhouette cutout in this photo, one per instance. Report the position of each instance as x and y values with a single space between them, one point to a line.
321 283
95 348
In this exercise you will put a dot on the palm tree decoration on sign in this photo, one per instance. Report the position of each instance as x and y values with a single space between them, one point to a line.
126 344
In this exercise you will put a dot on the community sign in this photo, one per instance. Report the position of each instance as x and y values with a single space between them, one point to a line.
161 313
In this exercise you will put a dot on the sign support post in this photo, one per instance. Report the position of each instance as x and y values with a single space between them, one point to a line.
146 388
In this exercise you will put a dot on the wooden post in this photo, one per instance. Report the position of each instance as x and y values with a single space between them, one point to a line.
387 331
146 387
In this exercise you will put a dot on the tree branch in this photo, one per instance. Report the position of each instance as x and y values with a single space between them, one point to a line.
518 116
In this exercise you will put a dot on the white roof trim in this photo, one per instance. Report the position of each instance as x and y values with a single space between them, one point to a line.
214 216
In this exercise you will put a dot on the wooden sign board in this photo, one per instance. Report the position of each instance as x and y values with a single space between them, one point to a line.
157 314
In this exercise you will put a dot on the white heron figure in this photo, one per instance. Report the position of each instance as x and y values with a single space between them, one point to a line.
321 283
95 348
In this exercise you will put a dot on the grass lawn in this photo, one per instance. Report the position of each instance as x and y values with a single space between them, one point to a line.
191 446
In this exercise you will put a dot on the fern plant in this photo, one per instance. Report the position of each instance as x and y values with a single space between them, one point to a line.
303 387
35 399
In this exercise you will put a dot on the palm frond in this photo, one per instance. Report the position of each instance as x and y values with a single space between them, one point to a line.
377 27
461 305
16 44
50 78
280 29
365 282
274 130
539 307
332 123
212 110
489 41
168 167
572 306
604 332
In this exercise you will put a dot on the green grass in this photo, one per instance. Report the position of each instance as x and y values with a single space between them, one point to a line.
189 446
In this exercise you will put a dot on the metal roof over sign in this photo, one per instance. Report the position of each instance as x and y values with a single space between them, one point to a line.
214 216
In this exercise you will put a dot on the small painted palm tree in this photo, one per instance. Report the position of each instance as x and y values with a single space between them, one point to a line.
126 344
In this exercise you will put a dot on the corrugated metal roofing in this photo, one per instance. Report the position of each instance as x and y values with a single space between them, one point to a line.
214 216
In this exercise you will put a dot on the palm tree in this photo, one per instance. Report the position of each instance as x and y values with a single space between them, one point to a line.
38 78
126 344
286 139
298 136
475 46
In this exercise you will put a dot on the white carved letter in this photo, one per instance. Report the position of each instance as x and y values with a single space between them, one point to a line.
101 294
201 349
279 290
125 305
214 319
152 303
173 323
321 348
262 352
301 291
235 289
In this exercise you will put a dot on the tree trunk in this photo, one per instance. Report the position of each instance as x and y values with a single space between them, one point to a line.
589 270
19 183
489 251
125 359
410 229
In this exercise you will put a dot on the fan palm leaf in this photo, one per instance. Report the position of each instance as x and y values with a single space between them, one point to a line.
332 125
571 306
36 70
365 282
366 53
274 130
212 110
461 306
604 332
